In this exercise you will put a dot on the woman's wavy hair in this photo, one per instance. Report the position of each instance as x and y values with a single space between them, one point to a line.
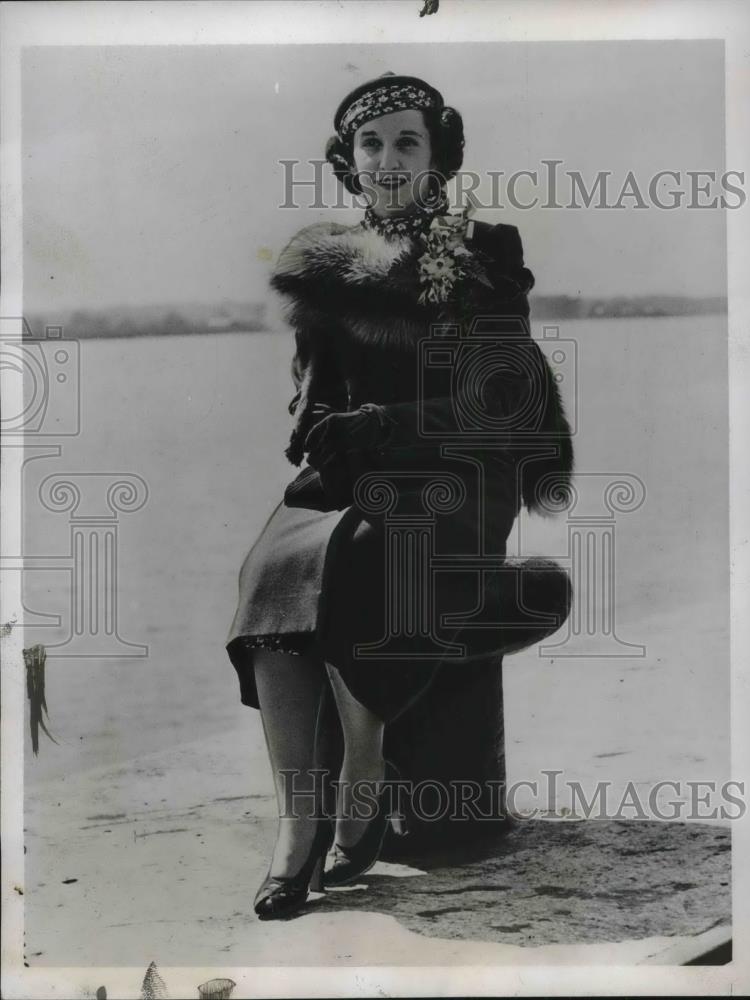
446 130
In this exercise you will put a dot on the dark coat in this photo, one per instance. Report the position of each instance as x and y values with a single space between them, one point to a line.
472 408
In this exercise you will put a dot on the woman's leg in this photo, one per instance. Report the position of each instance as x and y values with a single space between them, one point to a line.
289 692
363 756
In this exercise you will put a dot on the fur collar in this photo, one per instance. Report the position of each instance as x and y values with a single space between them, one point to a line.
356 279
352 256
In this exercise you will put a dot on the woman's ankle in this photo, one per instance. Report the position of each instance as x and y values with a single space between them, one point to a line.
294 841
363 767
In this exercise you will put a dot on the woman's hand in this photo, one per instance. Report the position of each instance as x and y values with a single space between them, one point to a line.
338 433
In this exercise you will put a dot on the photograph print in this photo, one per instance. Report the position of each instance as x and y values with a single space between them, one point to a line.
371 433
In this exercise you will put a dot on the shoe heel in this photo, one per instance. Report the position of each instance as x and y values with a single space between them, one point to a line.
399 825
316 880
397 819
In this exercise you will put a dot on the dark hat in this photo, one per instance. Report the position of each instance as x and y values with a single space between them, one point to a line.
381 96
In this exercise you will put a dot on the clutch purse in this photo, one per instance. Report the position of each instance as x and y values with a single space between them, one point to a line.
306 491
311 491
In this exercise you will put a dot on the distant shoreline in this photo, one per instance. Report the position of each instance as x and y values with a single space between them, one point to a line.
194 320
625 307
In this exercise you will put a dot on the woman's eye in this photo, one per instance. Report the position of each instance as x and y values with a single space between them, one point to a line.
370 144
406 143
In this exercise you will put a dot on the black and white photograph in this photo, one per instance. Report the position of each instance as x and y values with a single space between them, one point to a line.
373 445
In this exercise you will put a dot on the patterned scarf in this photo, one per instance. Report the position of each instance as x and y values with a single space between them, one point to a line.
382 97
414 224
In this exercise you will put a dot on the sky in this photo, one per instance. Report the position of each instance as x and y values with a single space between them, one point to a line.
151 174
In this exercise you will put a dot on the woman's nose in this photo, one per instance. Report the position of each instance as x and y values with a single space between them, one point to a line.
389 159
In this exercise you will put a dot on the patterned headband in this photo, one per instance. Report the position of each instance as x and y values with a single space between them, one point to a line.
398 94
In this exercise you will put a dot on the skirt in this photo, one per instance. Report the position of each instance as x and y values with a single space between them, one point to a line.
313 585
322 585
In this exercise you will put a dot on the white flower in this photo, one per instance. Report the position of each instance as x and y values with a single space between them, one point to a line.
438 267
446 259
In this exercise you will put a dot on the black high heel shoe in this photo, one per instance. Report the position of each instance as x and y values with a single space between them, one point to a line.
351 862
281 895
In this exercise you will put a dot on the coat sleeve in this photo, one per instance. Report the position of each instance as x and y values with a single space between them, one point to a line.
507 393
525 416
314 370
501 245
318 382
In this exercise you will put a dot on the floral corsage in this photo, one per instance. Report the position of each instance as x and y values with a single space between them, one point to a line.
447 261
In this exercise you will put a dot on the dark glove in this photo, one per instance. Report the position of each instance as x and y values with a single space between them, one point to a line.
340 433
295 451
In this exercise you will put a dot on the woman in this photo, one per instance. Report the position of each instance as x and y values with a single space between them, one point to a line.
319 587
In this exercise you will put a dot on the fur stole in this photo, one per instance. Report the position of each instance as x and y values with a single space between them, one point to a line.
352 277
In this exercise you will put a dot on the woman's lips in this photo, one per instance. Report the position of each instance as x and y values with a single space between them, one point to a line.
391 183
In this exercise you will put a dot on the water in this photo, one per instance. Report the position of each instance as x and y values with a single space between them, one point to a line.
203 421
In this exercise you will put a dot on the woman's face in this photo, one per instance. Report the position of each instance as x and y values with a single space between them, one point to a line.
391 153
